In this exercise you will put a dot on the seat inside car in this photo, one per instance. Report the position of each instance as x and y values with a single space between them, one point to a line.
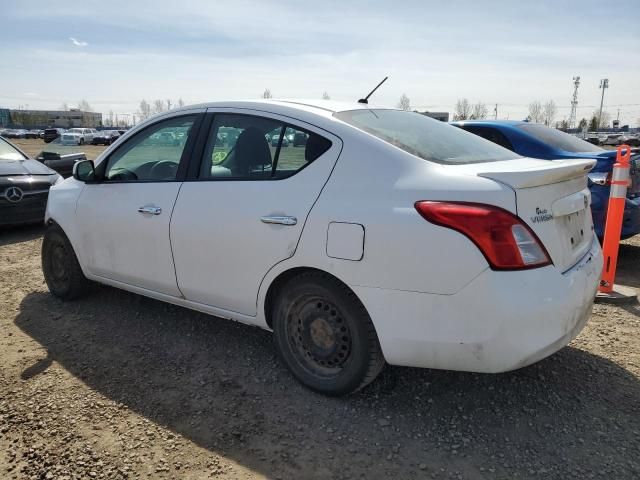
251 153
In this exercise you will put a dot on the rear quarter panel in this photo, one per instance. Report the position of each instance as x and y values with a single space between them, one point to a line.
376 185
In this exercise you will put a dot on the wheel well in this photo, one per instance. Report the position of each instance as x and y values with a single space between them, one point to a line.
280 281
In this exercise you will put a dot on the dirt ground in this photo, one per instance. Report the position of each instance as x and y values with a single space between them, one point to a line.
33 146
117 386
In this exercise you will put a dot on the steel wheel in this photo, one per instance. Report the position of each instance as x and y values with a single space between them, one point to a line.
324 335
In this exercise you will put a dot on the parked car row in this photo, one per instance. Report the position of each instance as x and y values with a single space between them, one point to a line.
611 139
73 136
21 133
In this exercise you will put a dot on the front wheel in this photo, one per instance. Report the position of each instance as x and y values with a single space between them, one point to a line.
324 335
60 266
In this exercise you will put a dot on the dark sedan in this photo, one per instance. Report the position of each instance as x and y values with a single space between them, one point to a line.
105 137
50 134
24 186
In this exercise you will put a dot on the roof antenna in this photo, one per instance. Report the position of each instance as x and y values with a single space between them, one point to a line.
365 100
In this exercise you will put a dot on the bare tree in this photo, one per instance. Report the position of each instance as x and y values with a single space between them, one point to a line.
180 102
325 96
110 120
549 112
84 106
463 109
64 107
479 111
267 93
404 103
158 106
535 112
583 123
605 118
145 109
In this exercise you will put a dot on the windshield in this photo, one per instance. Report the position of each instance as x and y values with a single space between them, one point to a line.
9 153
560 140
425 137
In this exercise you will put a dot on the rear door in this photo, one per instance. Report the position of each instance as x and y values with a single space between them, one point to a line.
244 206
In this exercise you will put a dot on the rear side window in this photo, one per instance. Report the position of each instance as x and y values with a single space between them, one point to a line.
246 147
7 152
491 134
425 137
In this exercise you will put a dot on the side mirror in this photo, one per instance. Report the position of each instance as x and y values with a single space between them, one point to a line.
84 171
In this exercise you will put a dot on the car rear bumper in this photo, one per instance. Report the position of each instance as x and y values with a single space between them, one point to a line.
500 321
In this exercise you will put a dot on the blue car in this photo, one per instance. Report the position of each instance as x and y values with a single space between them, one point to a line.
537 141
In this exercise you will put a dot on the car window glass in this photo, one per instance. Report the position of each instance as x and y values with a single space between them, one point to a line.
298 149
559 139
246 147
491 134
425 137
153 154
7 152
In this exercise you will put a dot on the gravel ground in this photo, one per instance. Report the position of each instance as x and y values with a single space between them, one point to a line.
120 386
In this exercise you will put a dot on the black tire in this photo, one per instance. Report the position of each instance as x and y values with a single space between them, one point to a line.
324 335
81 141
60 266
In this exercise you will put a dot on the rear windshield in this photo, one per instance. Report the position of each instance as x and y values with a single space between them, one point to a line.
425 137
560 140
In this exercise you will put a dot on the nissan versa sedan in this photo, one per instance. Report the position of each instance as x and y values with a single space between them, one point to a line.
390 237
24 186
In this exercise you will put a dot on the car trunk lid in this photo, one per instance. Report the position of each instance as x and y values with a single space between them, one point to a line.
552 198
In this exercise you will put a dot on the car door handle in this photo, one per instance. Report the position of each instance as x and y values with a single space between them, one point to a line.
279 220
150 210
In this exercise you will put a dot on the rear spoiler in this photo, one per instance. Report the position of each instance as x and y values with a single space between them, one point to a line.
544 174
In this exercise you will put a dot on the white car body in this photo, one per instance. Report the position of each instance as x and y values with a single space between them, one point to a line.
433 298
78 136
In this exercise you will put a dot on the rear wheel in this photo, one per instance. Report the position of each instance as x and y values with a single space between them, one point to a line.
60 266
81 141
324 335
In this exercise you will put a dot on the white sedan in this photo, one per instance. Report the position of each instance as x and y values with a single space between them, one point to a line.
389 237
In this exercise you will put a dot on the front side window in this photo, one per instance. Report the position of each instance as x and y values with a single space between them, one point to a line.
425 137
246 147
152 155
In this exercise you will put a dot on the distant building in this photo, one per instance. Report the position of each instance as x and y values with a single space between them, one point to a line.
442 116
4 117
53 118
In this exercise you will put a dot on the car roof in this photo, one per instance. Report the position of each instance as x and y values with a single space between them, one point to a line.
324 108
492 123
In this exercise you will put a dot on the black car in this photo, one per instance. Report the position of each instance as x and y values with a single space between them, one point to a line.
61 158
24 186
50 134
105 137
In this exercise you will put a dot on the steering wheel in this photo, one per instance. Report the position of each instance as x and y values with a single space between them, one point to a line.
164 170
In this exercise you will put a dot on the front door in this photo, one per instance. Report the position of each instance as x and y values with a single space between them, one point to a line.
125 216
244 208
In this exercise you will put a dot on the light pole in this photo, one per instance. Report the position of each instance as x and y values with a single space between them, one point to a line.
604 84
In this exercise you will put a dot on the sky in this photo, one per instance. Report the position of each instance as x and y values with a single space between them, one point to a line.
115 53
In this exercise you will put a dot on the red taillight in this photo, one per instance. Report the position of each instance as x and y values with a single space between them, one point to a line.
506 241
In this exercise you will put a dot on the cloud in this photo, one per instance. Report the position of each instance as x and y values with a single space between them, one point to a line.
78 43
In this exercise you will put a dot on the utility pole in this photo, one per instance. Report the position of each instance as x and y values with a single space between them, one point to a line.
495 111
574 102
604 84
